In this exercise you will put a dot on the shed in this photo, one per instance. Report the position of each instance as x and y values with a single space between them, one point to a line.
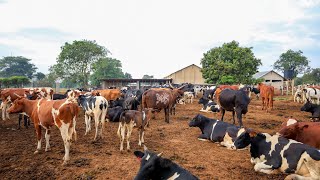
270 78
190 74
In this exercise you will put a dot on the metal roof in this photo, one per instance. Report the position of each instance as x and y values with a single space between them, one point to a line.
263 73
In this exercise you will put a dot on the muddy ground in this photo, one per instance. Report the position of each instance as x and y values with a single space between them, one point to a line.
103 160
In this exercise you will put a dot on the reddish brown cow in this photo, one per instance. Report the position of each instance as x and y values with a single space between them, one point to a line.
46 113
43 92
9 95
305 132
161 98
266 94
109 94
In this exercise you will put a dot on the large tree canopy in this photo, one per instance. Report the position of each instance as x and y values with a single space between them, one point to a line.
292 60
229 64
107 68
16 66
312 77
75 61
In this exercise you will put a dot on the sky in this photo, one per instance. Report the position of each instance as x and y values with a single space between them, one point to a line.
159 37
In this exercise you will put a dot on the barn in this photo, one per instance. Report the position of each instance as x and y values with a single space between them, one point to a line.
190 74
270 78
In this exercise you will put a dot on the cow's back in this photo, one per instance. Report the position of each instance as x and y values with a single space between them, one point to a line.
156 98
227 99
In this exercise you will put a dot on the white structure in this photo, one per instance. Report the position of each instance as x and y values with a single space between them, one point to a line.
270 78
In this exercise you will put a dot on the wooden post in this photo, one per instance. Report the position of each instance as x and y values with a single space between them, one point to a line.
287 86
292 83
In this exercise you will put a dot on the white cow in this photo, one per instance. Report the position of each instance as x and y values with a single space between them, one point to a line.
312 94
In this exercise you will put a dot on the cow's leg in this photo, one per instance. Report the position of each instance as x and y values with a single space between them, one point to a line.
96 123
74 129
129 127
122 130
64 129
19 121
222 113
38 132
4 109
25 121
264 168
239 116
142 136
86 120
103 122
166 114
47 136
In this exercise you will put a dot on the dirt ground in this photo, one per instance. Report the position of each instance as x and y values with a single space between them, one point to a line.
103 160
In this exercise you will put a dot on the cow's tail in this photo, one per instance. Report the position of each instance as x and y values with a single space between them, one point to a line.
120 124
315 91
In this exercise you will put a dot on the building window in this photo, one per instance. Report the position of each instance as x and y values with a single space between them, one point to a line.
276 80
267 81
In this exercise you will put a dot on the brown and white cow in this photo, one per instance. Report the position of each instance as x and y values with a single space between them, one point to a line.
46 113
109 94
9 95
43 92
161 98
130 119
305 132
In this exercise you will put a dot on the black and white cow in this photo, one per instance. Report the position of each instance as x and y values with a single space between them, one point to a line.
153 166
131 103
209 105
274 154
96 107
209 94
314 109
254 90
215 130
113 114
236 101
115 103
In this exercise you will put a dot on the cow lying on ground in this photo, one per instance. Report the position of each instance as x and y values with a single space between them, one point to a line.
46 113
215 130
113 114
153 166
305 132
187 98
94 107
314 109
209 105
130 119
274 154
236 101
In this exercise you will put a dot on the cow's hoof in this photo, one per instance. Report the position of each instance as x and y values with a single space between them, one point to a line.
36 152
65 163
48 149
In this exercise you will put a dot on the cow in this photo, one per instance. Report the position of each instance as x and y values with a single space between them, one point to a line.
109 94
209 94
221 88
312 94
298 96
209 105
131 103
94 107
236 101
115 103
314 109
47 113
266 94
272 154
161 98
113 114
9 95
215 130
153 166
186 98
130 119
256 91
305 132
43 92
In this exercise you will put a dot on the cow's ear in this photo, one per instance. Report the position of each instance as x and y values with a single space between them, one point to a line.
252 134
138 154
305 126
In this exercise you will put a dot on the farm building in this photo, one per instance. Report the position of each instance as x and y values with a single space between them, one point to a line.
190 74
270 78
135 83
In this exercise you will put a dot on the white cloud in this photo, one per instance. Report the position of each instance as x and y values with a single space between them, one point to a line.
155 37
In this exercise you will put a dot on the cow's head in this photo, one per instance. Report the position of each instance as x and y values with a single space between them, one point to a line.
203 101
196 121
244 139
150 164
307 106
289 132
17 106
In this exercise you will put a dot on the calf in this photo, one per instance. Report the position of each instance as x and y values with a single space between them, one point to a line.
153 166
305 132
113 114
46 113
274 154
314 109
209 105
236 101
214 130
94 106
188 97
130 119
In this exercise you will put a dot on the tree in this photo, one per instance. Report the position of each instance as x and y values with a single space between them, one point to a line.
40 75
16 66
127 75
14 81
106 68
75 61
147 77
292 60
309 78
229 64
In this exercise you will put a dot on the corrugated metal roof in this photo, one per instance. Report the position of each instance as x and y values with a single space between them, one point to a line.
263 73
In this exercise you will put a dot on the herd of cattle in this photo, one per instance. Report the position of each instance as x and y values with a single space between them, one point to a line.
293 150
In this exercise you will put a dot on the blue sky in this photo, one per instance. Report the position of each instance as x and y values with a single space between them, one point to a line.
160 37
